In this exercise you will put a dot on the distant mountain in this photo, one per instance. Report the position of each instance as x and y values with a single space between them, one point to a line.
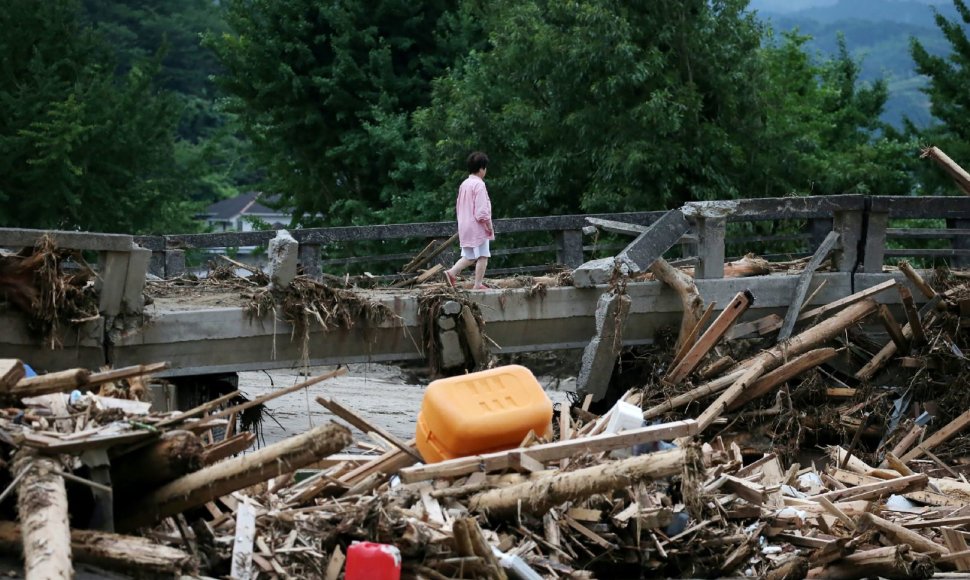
878 33
790 6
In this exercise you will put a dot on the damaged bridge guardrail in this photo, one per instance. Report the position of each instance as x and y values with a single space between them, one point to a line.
870 230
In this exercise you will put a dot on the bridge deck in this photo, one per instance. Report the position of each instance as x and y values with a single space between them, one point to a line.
209 331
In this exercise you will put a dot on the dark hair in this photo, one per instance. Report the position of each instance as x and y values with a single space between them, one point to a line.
476 162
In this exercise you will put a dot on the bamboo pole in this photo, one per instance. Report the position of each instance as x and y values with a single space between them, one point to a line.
231 475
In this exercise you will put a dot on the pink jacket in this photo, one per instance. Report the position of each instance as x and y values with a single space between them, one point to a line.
474 210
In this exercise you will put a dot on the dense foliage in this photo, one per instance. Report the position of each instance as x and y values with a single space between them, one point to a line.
116 115
80 147
949 96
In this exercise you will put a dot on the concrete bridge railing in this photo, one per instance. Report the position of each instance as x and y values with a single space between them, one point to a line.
865 224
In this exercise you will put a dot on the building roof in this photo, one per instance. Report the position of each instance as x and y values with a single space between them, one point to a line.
243 204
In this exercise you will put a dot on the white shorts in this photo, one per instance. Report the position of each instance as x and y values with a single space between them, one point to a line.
474 253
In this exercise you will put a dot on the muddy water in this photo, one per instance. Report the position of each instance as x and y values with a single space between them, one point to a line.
380 393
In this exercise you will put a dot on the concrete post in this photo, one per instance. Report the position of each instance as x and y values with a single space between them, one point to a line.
875 242
310 260
110 284
132 298
848 224
961 242
156 266
710 232
651 244
569 247
283 257
174 263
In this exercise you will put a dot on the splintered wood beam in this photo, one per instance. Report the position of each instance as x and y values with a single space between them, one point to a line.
366 426
42 511
804 281
941 436
901 535
917 280
691 339
772 322
133 555
710 338
877 489
953 169
784 373
892 327
709 388
889 350
550 451
912 315
276 394
770 359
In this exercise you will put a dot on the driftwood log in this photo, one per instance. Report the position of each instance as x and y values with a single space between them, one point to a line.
231 475
544 493
173 455
110 551
42 511
690 297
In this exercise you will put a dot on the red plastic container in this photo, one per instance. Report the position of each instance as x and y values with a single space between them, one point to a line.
372 561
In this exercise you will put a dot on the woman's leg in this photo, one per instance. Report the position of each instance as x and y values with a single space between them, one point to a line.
480 266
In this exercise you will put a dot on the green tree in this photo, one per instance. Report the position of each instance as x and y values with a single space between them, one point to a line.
822 132
80 147
602 105
325 91
949 77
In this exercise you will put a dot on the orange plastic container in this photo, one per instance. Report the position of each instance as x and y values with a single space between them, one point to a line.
481 412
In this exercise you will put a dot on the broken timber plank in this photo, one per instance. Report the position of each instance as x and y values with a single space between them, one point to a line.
366 426
915 324
944 434
772 358
784 373
773 322
550 451
892 327
691 338
42 511
738 305
906 268
242 546
804 281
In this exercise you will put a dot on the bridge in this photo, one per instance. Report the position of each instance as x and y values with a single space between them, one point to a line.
214 333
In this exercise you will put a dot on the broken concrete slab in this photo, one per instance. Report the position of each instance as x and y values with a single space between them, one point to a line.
283 259
446 323
600 354
651 244
594 272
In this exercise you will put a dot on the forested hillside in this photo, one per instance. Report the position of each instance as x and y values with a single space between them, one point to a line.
132 116
877 33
